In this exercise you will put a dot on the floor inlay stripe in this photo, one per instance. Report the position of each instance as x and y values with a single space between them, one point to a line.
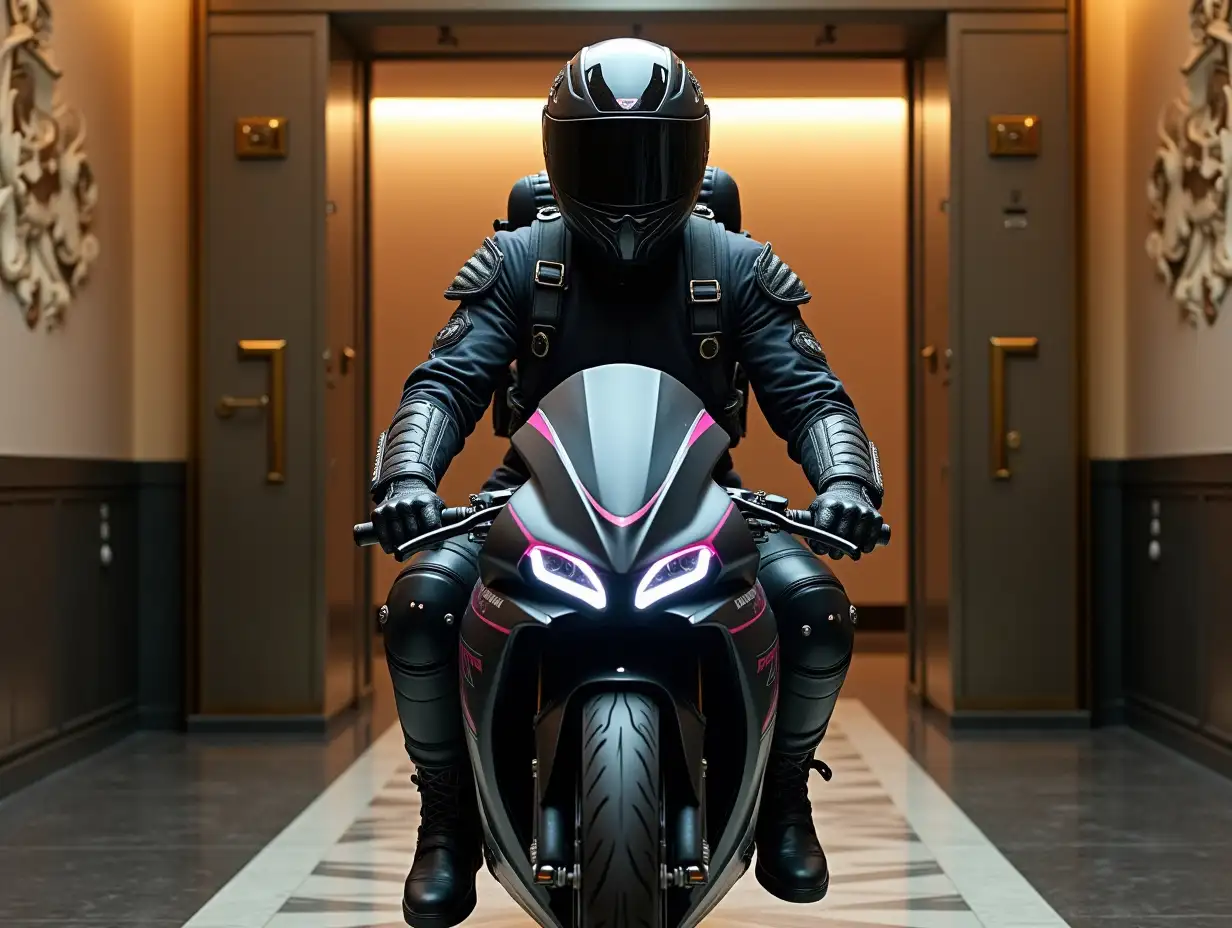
902 855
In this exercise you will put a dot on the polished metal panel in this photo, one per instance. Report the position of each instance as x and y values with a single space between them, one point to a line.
1015 620
262 610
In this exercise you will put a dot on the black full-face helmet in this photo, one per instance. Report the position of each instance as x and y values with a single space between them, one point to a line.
626 136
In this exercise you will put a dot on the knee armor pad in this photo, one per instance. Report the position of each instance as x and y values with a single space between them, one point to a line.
816 638
815 617
815 625
425 605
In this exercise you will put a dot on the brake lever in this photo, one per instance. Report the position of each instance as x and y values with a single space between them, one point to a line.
445 532
811 532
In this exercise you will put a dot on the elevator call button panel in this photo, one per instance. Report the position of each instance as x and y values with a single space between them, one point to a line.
1011 136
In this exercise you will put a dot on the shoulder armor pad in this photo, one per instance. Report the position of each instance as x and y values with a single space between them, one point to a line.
478 274
778 280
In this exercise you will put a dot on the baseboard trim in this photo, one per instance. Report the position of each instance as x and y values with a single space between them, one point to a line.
1110 714
1195 745
317 725
67 748
962 720
263 724
158 718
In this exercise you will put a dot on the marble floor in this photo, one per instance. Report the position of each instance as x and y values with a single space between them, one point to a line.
1092 829
902 854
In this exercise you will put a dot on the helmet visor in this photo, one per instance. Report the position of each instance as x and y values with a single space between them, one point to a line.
626 162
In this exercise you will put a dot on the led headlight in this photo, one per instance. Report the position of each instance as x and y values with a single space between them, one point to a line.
569 574
672 574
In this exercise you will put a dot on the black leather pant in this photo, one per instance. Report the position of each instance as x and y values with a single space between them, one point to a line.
426 602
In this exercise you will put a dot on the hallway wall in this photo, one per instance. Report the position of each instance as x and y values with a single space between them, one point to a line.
92 417
1161 438
823 178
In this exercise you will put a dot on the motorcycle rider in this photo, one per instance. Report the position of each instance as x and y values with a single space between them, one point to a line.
626 270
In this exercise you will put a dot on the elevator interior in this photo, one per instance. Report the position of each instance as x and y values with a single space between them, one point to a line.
971 282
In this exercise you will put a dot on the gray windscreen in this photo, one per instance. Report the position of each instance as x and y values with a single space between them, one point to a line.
622 426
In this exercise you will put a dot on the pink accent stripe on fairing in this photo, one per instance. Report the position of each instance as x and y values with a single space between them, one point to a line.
704 422
758 615
540 425
774 704
483 618
709 539
700 428
525 532
621 521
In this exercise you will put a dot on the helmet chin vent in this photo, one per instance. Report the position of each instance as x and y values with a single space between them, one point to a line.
626 240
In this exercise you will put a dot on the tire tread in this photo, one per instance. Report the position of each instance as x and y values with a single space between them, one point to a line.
620 812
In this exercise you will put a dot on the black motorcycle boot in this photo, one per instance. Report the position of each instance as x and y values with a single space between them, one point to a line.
791 864
440 889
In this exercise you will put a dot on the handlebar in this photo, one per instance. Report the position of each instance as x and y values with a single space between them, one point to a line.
365 532
803 515
800 522
460 520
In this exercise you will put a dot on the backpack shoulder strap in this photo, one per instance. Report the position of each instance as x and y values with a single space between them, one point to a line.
705 258
548 284
550 240
706 268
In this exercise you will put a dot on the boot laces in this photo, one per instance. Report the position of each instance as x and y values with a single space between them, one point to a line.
787 784
440 810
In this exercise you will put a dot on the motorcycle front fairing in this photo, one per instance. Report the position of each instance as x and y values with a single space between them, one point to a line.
618 489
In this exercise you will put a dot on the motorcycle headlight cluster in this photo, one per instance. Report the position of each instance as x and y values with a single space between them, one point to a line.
574 577
568 574
672 574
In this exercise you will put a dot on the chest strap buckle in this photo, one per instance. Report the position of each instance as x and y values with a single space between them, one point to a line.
550 274
541 340
705 291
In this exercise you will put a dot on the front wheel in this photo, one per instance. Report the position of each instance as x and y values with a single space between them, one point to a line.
620 805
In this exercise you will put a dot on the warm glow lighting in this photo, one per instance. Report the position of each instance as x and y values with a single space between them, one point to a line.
845 110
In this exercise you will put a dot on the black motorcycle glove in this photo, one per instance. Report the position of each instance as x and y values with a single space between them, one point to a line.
844 509
410 508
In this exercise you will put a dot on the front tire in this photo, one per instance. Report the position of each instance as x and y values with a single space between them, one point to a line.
620 803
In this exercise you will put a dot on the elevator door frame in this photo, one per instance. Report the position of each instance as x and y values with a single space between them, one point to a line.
522 10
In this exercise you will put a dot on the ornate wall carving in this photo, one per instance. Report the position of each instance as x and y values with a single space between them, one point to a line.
47 190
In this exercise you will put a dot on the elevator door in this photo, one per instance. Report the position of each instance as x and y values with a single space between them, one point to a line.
818 149
281 373
346 653
930 633
1015 396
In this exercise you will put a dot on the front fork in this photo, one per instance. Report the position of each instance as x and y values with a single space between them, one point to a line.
555 850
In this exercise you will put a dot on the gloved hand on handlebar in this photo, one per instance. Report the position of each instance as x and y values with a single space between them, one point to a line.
410 508
844 509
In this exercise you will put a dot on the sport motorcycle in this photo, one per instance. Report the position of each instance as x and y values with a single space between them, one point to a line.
618 662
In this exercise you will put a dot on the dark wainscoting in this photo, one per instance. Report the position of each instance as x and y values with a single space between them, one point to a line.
92 611
1163 633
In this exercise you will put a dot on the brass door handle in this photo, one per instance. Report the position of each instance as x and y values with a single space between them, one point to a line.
1002 441
348 359
929 354
273 352
227 405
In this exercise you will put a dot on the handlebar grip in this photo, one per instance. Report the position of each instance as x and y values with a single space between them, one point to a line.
365 532
803 515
